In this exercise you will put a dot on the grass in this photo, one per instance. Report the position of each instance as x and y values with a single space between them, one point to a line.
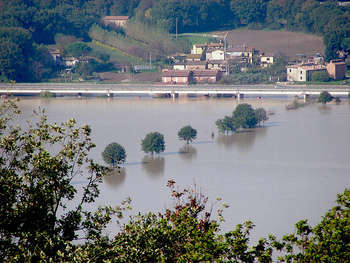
116 55
197 38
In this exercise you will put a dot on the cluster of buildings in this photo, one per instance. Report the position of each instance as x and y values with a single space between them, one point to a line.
303 72
208 62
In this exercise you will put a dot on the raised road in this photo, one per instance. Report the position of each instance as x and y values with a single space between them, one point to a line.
171 90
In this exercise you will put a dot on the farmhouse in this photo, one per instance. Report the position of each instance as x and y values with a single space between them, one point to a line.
192 65
266 60
176 76
303 72
206 76
115 20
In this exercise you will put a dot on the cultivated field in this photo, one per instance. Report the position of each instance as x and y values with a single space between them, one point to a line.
279 42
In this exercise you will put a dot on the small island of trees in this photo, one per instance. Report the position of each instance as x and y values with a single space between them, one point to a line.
243 117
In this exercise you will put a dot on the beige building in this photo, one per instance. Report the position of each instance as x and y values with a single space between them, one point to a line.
303 72
215 54
115 20
266 60
200 48
336 69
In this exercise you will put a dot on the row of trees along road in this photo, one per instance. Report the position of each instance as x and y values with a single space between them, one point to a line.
244 116
115 154
45 217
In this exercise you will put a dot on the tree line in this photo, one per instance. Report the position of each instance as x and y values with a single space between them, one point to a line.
44 217
39 22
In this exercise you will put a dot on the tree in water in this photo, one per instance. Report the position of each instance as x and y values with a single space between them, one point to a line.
153 143
244 116
261 115
187 133
325 97
114 154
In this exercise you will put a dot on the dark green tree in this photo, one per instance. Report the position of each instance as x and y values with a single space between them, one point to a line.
78 49
187 133
261 115
114 154
153 143
225 125
244 116
325 97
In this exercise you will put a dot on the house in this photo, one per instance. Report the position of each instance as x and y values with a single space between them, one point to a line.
192 65
215 54
194 57
176 76
303 72
266 60
115 20
336 69
217 64
200 48
206 76
70 61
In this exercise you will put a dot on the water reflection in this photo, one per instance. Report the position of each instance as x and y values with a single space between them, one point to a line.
153 165
243 140
188 153
324 109
115 178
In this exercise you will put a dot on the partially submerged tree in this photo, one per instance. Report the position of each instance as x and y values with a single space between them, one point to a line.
114 154
153 143
187 133
244 116
225 125
325 97
260 115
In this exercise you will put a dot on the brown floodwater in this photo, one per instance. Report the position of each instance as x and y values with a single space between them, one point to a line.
291 169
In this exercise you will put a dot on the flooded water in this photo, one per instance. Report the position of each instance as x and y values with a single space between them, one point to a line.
289 170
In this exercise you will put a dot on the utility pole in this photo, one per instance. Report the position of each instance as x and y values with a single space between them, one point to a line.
150 60
225 57
176 27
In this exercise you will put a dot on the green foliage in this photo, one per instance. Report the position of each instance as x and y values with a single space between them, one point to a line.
153 143
225 125
244 116
78 49
92 66
328 241
114 154
260 115
37 168
321 76
325 97
187 133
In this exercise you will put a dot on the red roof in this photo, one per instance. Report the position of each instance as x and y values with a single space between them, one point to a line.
175 73
205 73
